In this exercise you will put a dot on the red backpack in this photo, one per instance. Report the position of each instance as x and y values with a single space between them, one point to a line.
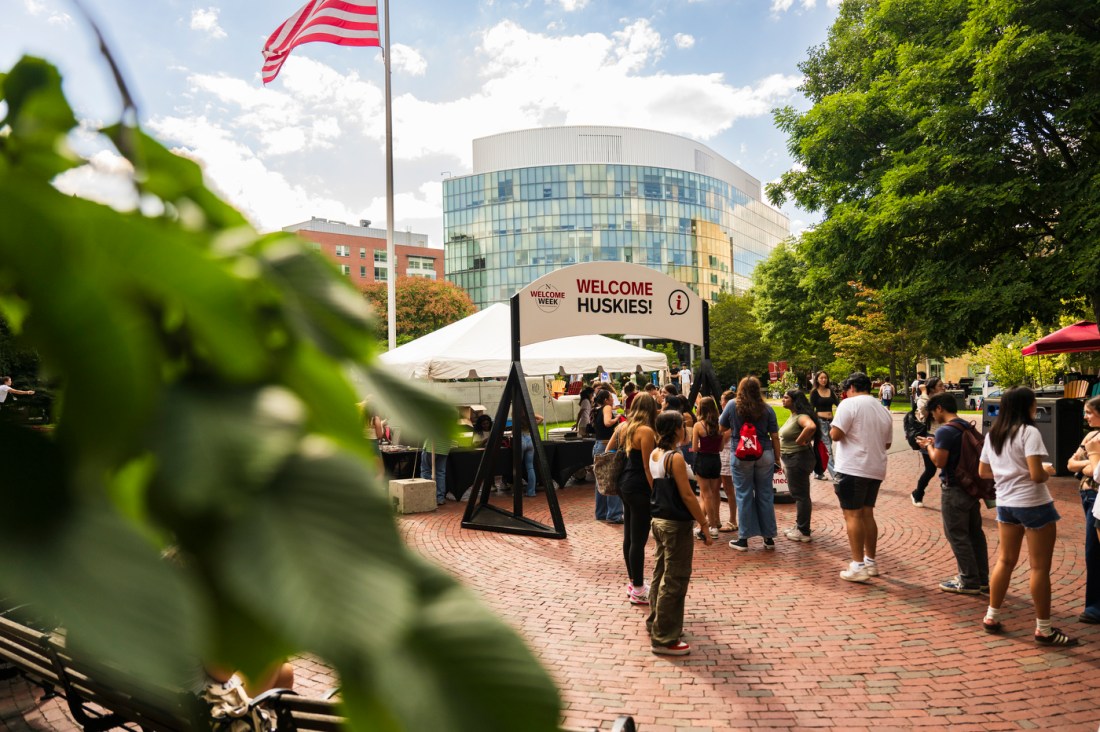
966 472
748 444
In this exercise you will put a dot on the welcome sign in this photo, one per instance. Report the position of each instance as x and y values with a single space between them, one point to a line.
609 297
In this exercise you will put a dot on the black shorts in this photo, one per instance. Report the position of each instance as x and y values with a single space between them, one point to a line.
856 492
708 465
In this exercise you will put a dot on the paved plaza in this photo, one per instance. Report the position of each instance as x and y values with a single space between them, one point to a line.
778 639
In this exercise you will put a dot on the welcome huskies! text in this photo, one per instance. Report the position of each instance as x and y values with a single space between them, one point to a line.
633 298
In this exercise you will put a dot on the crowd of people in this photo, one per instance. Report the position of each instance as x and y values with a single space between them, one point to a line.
739 444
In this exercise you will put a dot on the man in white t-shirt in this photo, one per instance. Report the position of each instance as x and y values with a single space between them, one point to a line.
6 388
685 379
862 431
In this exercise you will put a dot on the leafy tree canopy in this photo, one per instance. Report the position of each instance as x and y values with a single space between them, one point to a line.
424 306
869 338
206 404
790 307
953 149
737 344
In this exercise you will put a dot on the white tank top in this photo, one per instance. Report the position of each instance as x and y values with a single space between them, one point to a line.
657 466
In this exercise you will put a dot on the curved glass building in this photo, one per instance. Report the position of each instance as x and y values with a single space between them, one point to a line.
547 198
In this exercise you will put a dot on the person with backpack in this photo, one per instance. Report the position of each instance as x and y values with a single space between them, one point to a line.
1014 457
754 431
920 424
886 392
956 450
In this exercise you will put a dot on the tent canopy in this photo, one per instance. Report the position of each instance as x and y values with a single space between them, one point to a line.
479 346
1076 338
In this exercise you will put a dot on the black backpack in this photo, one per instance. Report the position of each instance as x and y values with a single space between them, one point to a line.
966 474
913 428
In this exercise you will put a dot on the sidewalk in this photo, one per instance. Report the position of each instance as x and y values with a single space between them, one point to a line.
778 639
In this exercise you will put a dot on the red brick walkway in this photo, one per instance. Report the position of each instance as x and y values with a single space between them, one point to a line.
779 640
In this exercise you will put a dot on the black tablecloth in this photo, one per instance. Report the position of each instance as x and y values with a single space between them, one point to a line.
565 457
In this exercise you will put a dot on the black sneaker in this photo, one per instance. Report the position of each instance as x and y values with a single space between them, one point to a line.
741 545
1056 638
769 543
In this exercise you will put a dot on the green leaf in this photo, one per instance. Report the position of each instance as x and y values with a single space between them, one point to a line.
40 118
322 535
172 178
417 412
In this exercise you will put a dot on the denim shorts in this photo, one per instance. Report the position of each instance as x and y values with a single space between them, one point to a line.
856 492
1031 517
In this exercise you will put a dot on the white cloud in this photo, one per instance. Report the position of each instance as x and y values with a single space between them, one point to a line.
44 7
569 5
782 6
107 178
312 143
206 20
683 40
408 59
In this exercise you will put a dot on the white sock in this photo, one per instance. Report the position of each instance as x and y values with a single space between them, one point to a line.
993 613
868 560
1043 626
856 566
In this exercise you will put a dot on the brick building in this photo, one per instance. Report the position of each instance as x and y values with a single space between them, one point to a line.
360 251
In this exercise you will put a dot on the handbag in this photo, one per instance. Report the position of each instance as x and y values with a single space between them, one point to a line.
608 466
665 501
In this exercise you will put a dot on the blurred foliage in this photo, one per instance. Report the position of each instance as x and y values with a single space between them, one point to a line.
207 401
424 306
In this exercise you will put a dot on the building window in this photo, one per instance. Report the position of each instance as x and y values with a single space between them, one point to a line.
345 269
362 252
380 255
343 250
423 263
315 246
381 274
363 271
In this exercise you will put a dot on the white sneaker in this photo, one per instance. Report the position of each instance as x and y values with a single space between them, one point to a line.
855 573
713 533
871 567
796 535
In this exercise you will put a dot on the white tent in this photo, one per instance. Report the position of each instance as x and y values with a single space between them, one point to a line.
480 346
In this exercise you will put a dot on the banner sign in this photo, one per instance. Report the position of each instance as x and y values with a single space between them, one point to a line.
609 297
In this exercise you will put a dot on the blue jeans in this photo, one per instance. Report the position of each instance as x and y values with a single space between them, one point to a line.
529 463
1092 557
608 508
825 425
440 473
752 485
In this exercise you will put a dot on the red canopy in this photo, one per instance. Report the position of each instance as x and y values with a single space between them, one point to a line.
1075 338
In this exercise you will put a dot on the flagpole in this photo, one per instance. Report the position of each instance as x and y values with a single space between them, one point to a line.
391 258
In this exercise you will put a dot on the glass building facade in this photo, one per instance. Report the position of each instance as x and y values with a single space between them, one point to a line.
505 228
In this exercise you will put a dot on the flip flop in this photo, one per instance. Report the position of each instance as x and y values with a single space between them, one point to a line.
992 627
728 527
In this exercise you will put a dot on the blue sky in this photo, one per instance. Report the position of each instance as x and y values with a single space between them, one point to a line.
312 142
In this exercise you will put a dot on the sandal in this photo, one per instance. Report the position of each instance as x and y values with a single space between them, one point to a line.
992 626
1056 638
728 527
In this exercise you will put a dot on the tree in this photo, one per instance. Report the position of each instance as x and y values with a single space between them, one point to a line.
737 344
953 149
869 338
236 439
789 310
423 306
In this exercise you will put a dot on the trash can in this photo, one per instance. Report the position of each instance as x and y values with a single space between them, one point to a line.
1060 422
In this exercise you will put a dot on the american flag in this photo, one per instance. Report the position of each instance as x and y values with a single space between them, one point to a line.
327 21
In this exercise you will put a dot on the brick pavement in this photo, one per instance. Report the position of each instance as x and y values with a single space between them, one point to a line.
779 641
